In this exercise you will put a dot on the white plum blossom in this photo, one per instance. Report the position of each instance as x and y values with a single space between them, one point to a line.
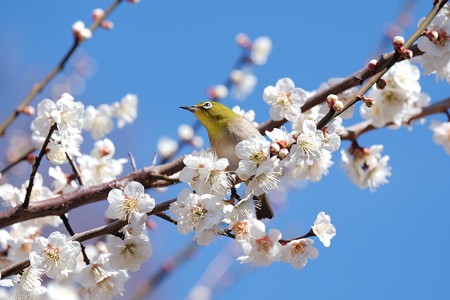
136 225
61 183
126 110
55 256
436 57
167 146
68 117
441 134
10 195
99 281
309 144
131 200
266 178
399 100
13 197
323 228
366 167
128 253
297 252
98 121
252 153
260 50
244 83
198 212
261 249
285 99
299 169
99 166
331 139
206 174
30 284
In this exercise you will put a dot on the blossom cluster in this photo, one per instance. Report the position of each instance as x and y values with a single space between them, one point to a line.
399 100
58 257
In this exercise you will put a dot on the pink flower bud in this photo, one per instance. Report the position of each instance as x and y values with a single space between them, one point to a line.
398 42
274 148
408 54
97 14
107 24
369 102
27 110
243 40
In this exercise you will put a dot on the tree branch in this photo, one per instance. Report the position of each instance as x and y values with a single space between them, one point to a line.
354 131
59 67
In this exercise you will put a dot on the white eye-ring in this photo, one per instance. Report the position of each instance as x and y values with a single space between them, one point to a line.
207 105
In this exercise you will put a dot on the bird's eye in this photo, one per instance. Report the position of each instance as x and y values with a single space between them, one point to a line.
207 105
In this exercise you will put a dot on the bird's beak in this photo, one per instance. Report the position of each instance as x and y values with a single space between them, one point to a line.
189 108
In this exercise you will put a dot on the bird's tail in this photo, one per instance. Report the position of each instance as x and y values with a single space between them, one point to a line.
262 207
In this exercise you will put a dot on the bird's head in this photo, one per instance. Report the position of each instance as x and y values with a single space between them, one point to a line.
213 115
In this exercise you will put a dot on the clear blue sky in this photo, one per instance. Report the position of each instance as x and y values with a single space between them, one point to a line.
391 244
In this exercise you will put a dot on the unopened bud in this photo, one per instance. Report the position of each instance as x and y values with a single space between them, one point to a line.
107 24
27 110
97 14
369 102
80 32
398 42
274 148
185 132
432 35
283 153
408 54
338 105
372 65
31 158
243 40
219 91
331 99
197 141
381 84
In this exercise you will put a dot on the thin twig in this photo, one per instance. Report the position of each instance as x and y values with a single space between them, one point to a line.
59 67
75 169
36 164
354 131
369 83
72 233
133 161
18 160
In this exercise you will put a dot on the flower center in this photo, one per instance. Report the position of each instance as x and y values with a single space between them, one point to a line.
198 213
130 204
240 229
264 244
297 248
51 253
258 157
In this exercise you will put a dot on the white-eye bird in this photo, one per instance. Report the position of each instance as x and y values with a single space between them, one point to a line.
225 130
